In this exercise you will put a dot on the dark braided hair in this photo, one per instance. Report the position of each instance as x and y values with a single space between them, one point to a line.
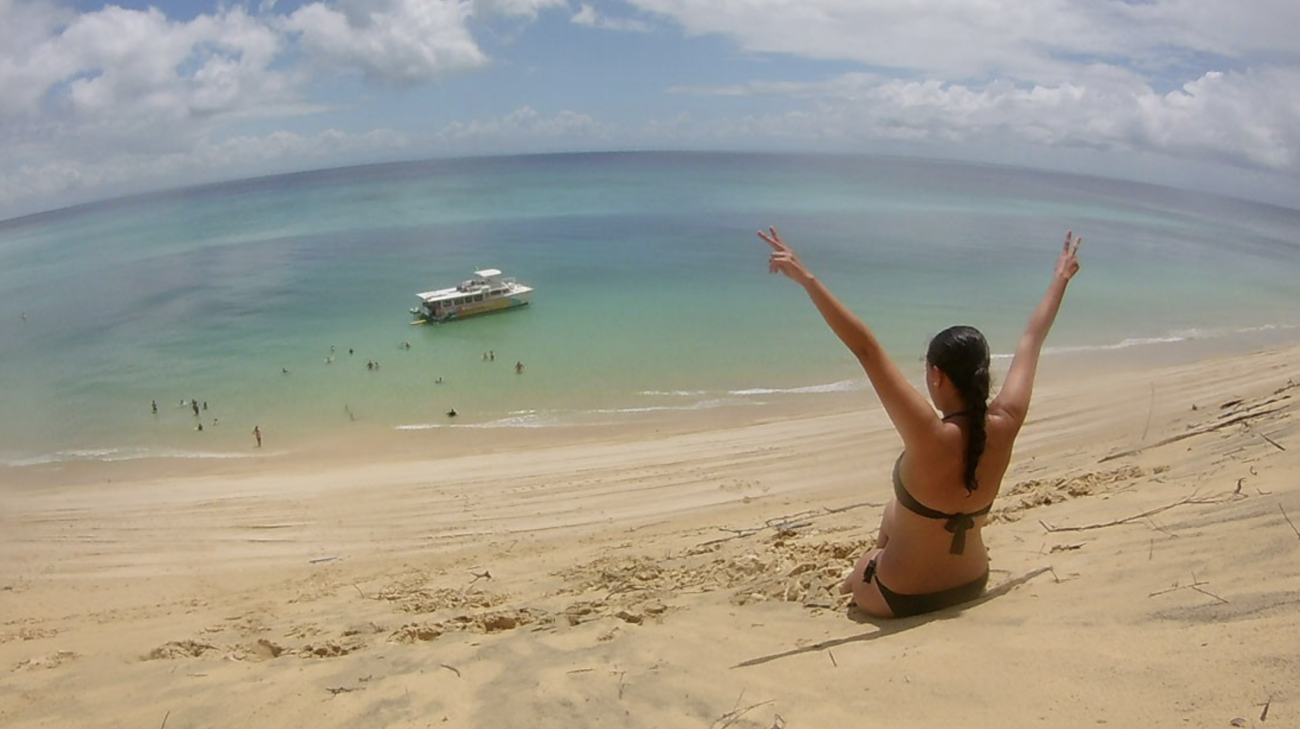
962 353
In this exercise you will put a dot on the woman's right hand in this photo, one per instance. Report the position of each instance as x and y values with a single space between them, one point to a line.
1068 264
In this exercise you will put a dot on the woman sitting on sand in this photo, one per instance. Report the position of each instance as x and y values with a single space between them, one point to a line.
929 554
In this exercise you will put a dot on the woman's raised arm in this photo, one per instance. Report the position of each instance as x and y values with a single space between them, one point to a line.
1013 399
915 420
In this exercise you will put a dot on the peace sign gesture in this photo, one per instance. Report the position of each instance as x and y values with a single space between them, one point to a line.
1068 264
783 260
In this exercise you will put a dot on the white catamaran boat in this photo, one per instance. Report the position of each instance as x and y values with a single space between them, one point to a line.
485 293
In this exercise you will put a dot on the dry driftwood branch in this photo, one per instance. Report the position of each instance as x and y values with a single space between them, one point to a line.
850 507
1193 433
1136 517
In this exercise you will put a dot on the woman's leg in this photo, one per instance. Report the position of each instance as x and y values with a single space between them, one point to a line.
866 595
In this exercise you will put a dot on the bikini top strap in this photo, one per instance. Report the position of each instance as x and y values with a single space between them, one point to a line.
956 524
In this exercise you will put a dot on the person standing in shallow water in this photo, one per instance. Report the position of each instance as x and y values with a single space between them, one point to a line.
929 553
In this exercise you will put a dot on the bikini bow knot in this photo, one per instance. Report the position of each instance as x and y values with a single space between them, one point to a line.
957 525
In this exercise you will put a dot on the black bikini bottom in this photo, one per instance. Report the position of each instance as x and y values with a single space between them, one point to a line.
903 605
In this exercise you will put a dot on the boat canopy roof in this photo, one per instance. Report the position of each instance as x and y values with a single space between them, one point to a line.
488 273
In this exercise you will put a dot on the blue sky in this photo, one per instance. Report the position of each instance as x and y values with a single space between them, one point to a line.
101 100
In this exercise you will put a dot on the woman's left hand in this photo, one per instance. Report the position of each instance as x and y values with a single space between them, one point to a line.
783 260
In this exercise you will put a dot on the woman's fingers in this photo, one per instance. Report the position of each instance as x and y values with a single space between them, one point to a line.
773 239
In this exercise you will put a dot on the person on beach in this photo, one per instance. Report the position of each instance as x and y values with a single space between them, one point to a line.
257 433
929 553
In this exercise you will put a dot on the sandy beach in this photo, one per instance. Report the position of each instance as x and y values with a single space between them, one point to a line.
1145 572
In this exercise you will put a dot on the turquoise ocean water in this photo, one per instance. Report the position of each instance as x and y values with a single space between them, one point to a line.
652 296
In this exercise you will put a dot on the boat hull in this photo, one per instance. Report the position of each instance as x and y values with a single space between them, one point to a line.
477 308
487 293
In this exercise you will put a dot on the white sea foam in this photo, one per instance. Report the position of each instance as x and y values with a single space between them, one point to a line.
110 455
1173 337
841 386
518 419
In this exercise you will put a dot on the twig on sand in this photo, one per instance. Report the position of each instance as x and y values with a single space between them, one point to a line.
1274 443
1263 715
789 523
453 669
1196 585
733 716
1193 499
1211 594
169 713
1288 521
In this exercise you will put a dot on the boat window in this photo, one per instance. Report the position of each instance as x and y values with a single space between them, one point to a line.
478 297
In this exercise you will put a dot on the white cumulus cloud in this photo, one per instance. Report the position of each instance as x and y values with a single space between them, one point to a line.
397 41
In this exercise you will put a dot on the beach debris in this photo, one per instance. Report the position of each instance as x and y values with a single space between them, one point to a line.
1272 442
179 649
1033 493
1242 415
733 716
418 599
417 633
264 650
329 649
1196 585
53 660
